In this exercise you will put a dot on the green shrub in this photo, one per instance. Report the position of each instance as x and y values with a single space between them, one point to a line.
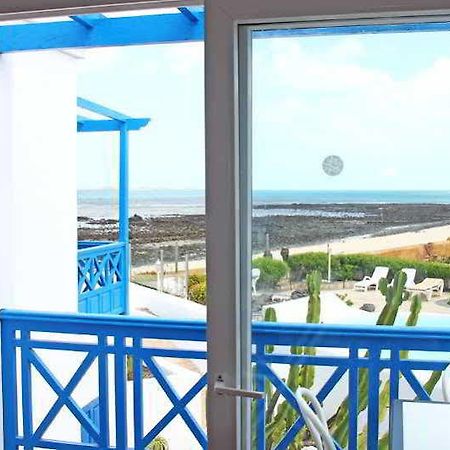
197 292
272 271
355 267
196 278
301 265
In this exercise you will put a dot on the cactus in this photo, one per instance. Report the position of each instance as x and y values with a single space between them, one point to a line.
394 295
384 401
270 315
432 381
280 416
298 376
313 282
158 443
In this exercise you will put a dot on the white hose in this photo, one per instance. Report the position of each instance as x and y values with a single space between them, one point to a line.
446 386
314 417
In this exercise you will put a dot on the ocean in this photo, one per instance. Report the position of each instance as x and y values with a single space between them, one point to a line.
104 203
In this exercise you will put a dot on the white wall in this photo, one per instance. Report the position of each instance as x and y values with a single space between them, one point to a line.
38 222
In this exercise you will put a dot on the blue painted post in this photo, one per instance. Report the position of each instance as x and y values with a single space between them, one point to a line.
138 395
373 407
103 390
353 399
260 428
123 211
394 376
9 385
27 407
120 385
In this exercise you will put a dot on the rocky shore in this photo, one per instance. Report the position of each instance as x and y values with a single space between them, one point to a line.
301 225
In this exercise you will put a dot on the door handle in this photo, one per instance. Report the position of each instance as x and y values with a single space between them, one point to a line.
221 389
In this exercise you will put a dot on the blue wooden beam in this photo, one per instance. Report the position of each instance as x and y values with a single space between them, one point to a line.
188 25
107 32
101 110
124 226
188 14
85 125
87 20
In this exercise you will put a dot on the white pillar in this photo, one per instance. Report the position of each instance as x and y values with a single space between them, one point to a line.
38 204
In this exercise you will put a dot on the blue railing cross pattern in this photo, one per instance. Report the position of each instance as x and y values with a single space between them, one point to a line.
101 277
100 268
179 405
64 397
384 354
110 340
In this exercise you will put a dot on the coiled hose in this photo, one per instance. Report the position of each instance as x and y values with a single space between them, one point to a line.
314 417
446 386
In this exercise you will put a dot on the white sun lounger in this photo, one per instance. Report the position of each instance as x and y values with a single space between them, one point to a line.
428 287
256 273
410 275
372 282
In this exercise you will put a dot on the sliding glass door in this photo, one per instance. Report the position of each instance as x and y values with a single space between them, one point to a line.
348 226
335 224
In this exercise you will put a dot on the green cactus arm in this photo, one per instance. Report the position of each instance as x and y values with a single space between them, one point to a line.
270 315
432 381
413 318
297 376
394 295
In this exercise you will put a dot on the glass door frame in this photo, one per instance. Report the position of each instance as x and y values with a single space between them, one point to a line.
229 24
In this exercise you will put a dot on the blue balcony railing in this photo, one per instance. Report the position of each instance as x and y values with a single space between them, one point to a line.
102 277
103 348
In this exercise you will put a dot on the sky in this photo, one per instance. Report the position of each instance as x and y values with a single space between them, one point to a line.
379 102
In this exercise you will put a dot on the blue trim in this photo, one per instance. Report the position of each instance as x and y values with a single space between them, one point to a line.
188 25
101 110
188 14
124 226
90 125
104 268
20 336
87 20
108 32
102 278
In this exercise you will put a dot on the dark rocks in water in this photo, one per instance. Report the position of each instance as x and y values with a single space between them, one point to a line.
298 293
284 252
102 222
369 307
136 218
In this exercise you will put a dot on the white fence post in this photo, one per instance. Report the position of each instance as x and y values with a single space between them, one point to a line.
161 270
186 274
176 257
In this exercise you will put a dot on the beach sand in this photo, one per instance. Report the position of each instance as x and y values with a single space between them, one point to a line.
375 244
359 244
306 227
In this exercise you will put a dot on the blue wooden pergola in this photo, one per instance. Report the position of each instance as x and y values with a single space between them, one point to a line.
97 30
103 267
186 25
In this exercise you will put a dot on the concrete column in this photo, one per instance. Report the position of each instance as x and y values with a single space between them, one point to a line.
38 185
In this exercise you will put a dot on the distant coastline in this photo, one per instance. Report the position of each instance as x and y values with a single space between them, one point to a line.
305 225
102 203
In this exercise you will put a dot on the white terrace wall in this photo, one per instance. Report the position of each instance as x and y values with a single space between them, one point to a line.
38 201
38 215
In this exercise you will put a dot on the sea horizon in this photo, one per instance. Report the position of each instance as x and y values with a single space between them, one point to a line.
102 203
